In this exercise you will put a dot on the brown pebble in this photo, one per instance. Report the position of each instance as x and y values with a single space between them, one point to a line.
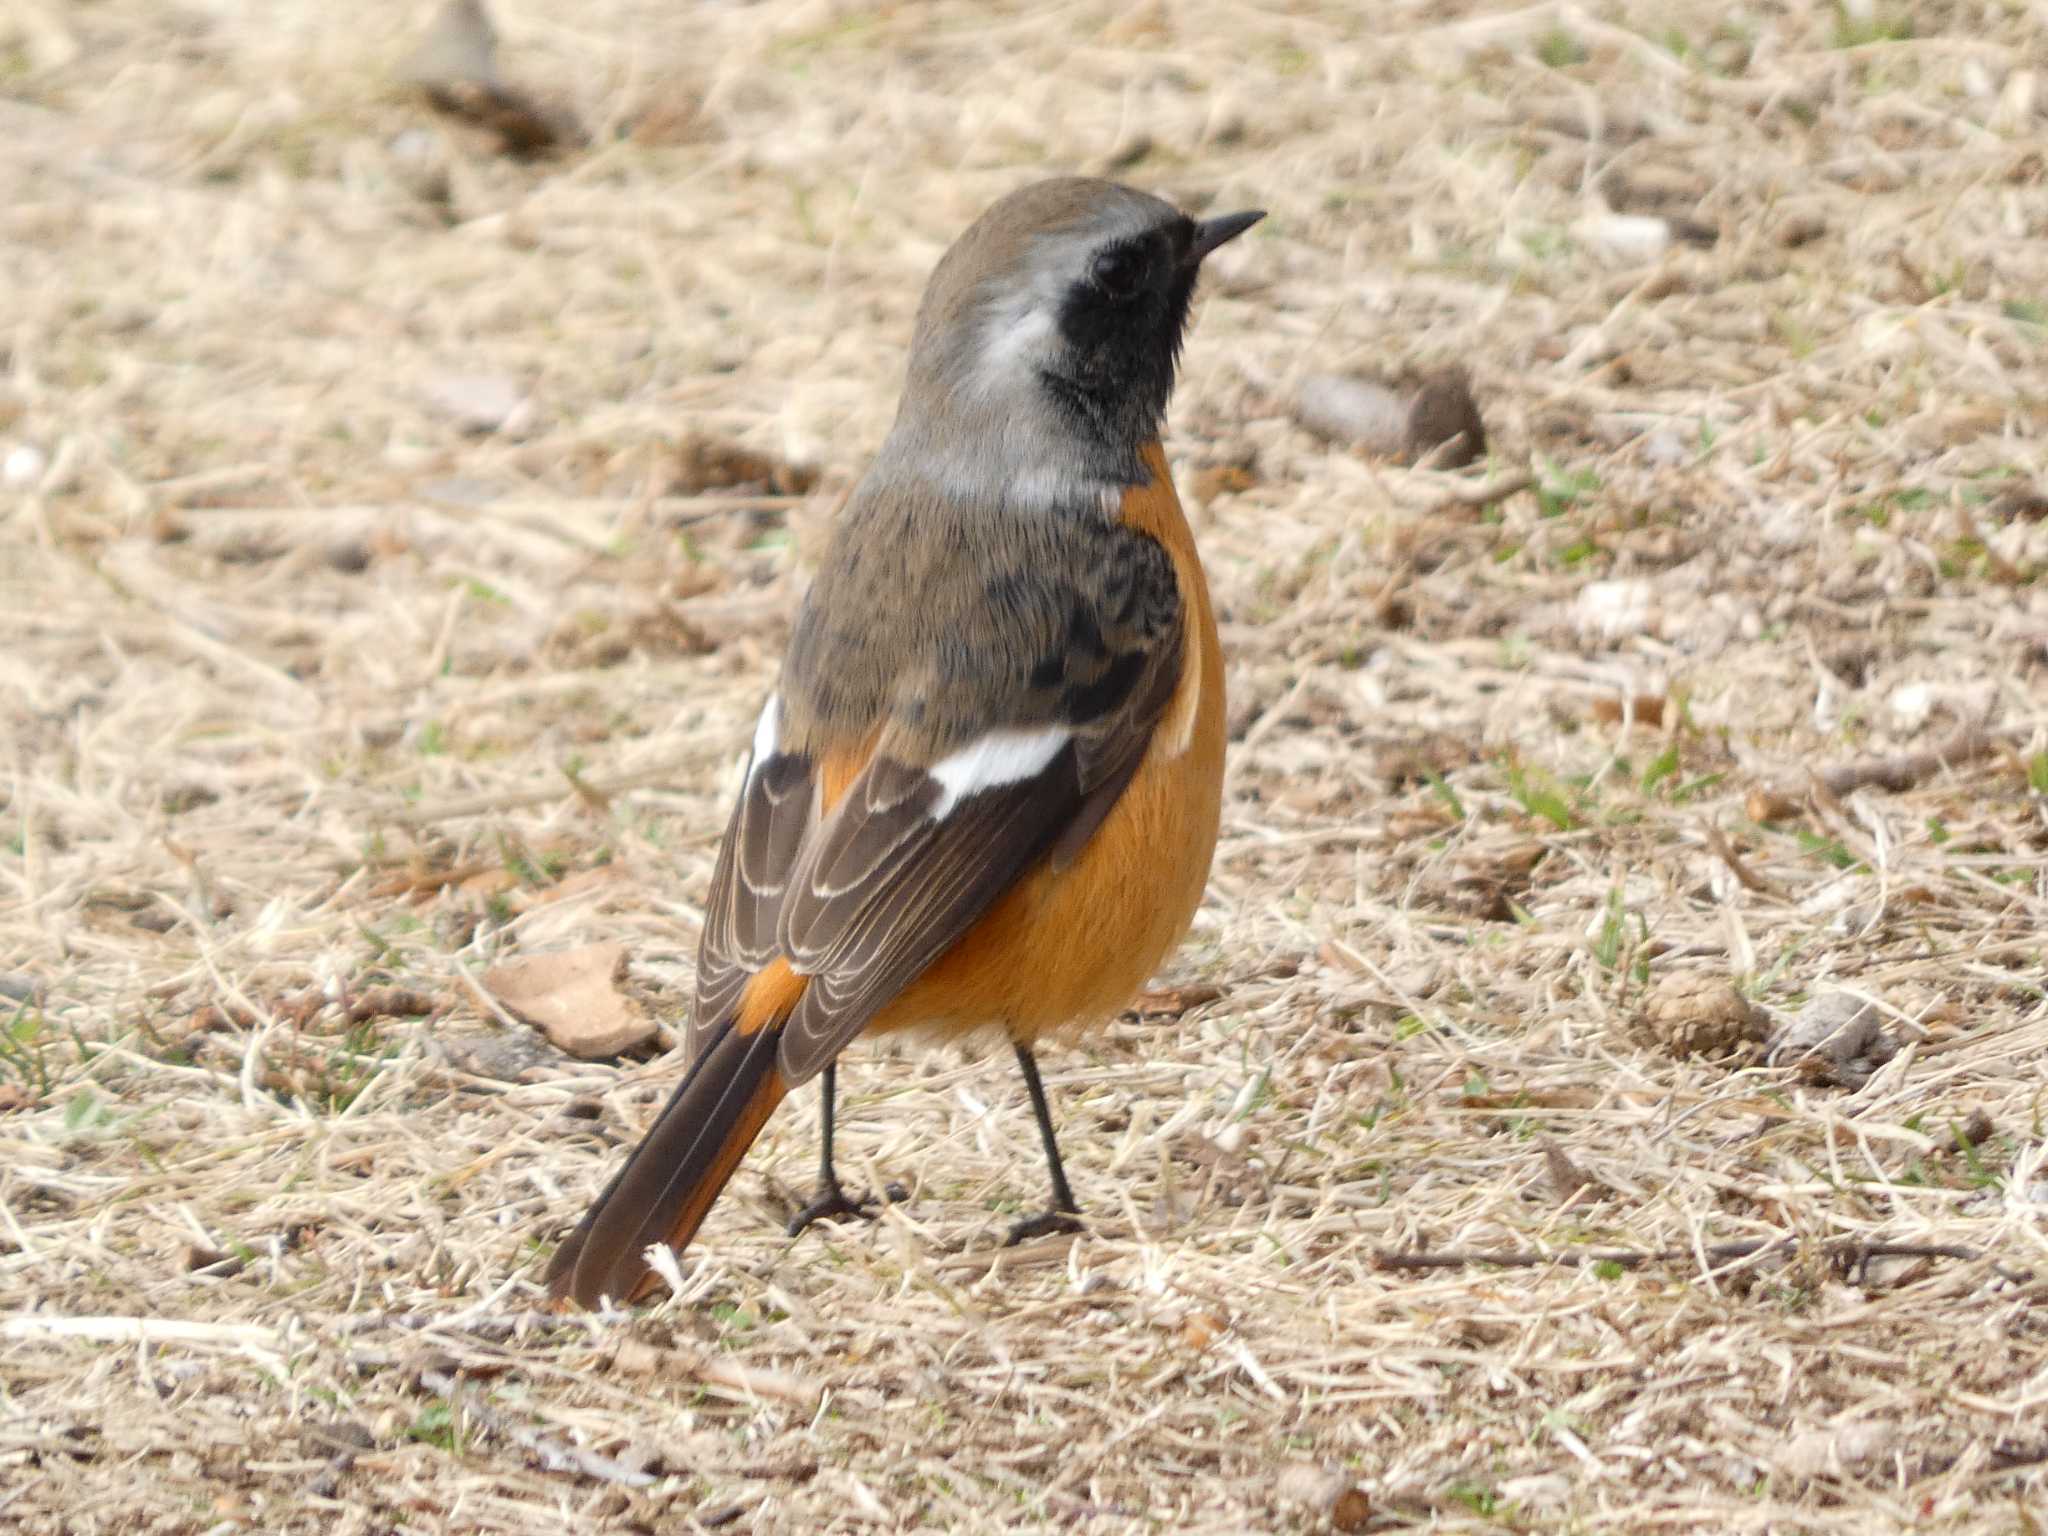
1647 709
1801 229
1443 421
1975 1131
199 1258
349 556
1697 1013
1324 1491
1432 417
1768 805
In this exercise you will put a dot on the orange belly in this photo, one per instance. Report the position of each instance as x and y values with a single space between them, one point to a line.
1071 945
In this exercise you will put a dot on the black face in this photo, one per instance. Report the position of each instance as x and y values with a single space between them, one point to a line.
1122 323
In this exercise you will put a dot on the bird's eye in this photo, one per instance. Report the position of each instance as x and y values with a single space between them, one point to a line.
1119 271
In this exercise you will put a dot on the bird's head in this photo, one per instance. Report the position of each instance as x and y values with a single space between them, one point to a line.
1053 325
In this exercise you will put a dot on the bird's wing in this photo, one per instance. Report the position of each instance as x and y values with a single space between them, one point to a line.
777 806
860 862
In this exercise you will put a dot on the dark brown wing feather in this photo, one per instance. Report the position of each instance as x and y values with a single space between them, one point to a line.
747 887
926 883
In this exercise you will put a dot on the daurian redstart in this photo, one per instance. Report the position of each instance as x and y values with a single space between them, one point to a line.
985 791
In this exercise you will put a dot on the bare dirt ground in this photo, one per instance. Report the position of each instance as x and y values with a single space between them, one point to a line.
383 596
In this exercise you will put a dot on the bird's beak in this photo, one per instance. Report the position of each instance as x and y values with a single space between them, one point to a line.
1210 233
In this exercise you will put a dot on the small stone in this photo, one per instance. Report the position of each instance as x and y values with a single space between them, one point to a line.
23 466
1664 448
199 1258
643 1458
2019 104
341 1440
480 402
1836 1449
1323 1492
1359 412
506 1055
1836 1040
1351 1509
1767 805
420 164
460 46
636 1357
1911 704
17 988
351 557
1974 1131
1443 415
1431 418
1628 237
1613 610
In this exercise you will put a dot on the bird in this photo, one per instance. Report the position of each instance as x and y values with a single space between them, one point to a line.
985 791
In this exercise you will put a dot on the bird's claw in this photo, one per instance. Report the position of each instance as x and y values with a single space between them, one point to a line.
831 1203
1044 1224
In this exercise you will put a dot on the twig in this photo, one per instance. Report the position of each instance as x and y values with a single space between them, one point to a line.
484 1325
542 516
140 1330
551 1453
428 812
1739 867
1844 1251
1897 774
750 1380
1902 772
1484 494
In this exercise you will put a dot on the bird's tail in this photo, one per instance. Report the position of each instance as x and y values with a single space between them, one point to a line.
662 1193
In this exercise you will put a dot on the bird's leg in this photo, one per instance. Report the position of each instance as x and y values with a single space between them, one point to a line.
831 1201
1063 1215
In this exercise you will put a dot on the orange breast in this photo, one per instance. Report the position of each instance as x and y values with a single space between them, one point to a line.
1070 946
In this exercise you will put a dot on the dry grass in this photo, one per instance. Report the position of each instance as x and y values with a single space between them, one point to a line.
298 675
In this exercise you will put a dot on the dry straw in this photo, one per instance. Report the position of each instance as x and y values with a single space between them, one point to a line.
360 627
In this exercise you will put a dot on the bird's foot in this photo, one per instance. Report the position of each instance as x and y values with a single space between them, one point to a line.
831 1203
1044 1224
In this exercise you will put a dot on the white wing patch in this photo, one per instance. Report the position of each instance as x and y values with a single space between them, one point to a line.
765 732
1000 757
